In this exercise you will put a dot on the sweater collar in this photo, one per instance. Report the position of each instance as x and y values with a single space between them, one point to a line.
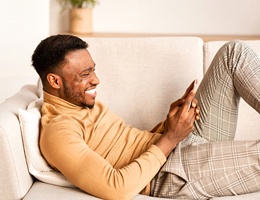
60 103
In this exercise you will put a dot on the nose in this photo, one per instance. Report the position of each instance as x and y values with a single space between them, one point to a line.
95 79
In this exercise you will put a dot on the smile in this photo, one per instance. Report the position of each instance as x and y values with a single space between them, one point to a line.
91 92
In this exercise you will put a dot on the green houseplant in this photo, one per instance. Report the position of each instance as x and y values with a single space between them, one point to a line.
80 15
78 3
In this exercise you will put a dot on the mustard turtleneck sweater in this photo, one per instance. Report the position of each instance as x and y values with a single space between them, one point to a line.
96 151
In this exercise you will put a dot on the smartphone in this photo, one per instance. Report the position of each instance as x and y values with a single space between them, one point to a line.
195 84
193 88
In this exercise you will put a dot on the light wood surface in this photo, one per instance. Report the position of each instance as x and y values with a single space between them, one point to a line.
204 37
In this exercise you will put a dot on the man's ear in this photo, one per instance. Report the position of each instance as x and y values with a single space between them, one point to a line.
54 80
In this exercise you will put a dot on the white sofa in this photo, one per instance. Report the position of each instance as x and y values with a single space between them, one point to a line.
140 77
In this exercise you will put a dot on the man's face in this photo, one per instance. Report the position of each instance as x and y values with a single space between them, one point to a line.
79 80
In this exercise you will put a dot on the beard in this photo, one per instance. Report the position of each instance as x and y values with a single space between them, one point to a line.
75 97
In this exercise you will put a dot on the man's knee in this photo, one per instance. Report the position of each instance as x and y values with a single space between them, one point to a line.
236 46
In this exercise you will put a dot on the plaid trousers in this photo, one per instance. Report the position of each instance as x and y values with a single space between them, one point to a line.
208 163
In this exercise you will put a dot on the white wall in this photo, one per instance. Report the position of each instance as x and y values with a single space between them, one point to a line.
23 25
219 17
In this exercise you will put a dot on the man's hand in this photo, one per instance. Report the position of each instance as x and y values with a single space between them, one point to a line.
180 121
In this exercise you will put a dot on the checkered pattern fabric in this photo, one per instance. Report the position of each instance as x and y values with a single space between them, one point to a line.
233 73
208 163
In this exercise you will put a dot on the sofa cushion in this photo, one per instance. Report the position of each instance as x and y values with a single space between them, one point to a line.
43 191
38 167
141 77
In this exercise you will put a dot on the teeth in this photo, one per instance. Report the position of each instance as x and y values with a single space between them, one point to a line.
91 91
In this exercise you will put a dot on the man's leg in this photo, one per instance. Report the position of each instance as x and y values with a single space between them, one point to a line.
233 73
217 168
208 170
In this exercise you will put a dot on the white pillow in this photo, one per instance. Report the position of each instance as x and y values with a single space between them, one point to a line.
39 88
38 167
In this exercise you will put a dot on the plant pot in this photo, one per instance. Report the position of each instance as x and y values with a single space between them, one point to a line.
80 20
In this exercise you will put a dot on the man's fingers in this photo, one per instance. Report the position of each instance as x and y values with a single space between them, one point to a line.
188 101
194 103
173 111
188 90
197 110
178 103
197 117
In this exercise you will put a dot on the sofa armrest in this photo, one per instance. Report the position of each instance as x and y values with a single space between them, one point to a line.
15 179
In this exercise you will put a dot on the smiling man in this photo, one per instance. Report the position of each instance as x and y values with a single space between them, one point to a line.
99 153
78 83
76 80
84 140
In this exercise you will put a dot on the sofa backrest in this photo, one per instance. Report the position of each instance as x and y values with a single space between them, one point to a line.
248 119
137 74
15 180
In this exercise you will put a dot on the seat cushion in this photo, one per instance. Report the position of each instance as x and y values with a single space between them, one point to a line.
251 196
43 191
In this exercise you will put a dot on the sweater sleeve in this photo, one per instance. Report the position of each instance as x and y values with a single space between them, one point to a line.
159 128
65 149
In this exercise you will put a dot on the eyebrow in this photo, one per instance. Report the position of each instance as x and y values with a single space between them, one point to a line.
88 69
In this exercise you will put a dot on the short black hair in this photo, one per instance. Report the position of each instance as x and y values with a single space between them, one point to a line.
50 54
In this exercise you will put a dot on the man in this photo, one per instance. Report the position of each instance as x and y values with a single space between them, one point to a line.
100 154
